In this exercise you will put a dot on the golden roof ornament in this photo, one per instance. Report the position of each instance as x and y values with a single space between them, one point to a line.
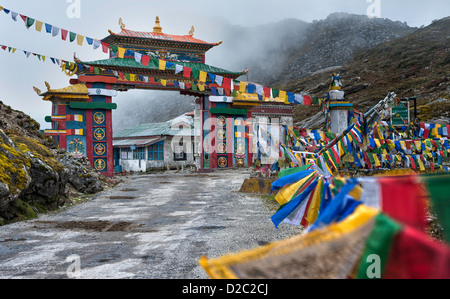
157 28
47 85
122 25
37 90
191 32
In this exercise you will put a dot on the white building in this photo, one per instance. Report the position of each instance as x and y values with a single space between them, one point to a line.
156 145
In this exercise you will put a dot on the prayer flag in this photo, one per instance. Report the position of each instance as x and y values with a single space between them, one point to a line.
121 52
137 57
55 31
72 36
187 72
39 25
145 60
80 39
105 47
162 64
64 34
202 76
219 80
178 68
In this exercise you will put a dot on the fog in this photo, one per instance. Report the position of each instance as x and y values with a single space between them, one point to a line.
250 30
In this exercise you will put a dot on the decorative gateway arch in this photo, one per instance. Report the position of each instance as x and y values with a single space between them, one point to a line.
82 113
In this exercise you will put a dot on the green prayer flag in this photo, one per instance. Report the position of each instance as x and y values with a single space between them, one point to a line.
72 36
29 22
378 247
288 171
275 92
195 73
437 186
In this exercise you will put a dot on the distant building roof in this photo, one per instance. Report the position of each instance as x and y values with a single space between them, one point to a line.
136 142
181 126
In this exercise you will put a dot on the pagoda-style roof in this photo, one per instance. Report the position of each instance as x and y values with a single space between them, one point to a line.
164 36
133 38
77 91
130 65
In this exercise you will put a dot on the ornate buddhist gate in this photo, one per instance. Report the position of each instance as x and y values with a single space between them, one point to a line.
151 60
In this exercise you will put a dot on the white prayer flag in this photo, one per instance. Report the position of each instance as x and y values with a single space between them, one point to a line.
137 57
219 80
97 44
178 68
55 31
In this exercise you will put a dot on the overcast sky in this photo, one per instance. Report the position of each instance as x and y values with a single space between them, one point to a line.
18 74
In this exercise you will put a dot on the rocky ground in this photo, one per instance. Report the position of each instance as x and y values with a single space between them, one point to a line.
35 176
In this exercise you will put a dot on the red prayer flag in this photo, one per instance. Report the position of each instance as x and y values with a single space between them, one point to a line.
226 83
266 92
24 18
403 199
105 47
187 72
307 100
64 34
425 134
415 256
145 60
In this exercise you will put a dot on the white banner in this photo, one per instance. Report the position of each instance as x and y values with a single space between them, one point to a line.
102 92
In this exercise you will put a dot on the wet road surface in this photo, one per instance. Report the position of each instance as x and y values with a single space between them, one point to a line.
151 226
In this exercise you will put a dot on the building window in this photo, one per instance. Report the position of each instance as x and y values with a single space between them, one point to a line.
126 154
178 153
156 151
139 153
132 154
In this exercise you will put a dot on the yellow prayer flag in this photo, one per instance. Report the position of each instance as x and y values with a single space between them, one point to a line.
162 64
121 52
202 76
80 39
201 87
421 166
314 206
377 162
163 82
287 192
132 77
242 86
38 25
417 144
377 142
282 96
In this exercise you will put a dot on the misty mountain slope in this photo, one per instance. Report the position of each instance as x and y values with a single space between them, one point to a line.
416 64
330 42
141 106
275 53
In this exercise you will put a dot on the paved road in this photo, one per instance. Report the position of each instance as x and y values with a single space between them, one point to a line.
151 226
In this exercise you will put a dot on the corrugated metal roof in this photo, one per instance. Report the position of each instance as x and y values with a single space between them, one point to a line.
169 128
135 142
